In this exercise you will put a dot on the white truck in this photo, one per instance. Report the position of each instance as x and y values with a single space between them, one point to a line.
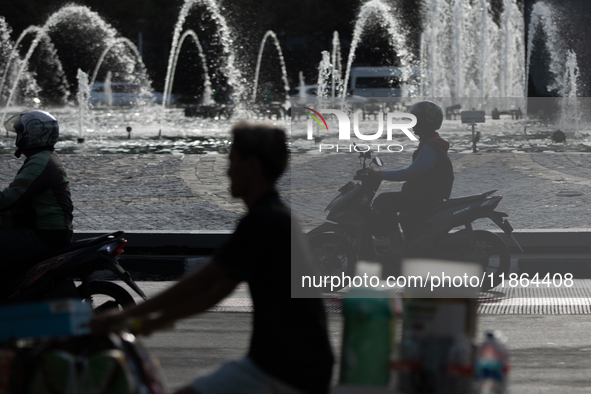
381 81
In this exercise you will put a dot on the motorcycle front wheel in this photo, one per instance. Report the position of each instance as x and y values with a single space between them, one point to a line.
104 295
494 256
332 255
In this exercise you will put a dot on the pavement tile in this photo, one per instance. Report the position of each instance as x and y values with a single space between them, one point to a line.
165 192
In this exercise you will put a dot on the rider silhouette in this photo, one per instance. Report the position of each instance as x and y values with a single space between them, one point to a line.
287 332
36 208
428 180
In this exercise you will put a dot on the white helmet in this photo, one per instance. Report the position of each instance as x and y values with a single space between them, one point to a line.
34 129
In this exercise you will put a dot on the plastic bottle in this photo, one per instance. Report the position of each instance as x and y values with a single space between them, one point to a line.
367 339
459 374
492 365
407 365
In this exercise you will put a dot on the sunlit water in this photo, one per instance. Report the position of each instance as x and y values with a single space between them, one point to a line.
158 131
153 130
504 135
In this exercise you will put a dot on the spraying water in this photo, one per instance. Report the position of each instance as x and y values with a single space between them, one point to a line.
83 96
337 68
513 83
462 47
458 48
271 34
207 82
110 46
225 37
14 52
569 111
80 16
302 84
378 11
19 74
324 69
542 17
107 88
435 49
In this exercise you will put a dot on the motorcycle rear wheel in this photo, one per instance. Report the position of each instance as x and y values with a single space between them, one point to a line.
494 257
116 296
332 255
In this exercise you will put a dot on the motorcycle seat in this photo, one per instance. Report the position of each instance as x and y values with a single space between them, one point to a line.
13 273
452 202
80 244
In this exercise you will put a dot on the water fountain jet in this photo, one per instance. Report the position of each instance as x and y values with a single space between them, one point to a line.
232 72
111 45
272 35
108 88
14 52
83 96
207 81
64 14
324 70
335 59
569 105
380 11
542 17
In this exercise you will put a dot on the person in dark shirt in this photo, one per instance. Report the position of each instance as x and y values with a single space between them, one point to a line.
428 180
287 332
36 208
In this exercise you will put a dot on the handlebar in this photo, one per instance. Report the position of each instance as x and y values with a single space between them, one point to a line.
365 174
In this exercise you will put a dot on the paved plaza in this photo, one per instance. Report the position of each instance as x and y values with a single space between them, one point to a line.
549 346
547 336
190 192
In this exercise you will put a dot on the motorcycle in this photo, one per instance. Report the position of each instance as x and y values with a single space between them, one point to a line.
52 275
350 232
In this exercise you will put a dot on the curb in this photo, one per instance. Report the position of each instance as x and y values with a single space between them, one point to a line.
550 241
166 255
538 241
173 253
153 242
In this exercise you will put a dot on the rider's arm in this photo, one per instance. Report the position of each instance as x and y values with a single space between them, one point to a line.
425 161
27 181
197 292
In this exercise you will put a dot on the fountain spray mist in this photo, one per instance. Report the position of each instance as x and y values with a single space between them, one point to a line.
324 69
542 16
377 10
110 46
226 39
462 47
273 36
207 82
83 95
72 12
570 114
336 61
108 89
302 86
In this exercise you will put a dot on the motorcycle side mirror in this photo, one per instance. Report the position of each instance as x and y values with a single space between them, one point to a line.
378 162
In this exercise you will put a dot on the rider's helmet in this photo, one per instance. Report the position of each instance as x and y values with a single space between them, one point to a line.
34 129
429 116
